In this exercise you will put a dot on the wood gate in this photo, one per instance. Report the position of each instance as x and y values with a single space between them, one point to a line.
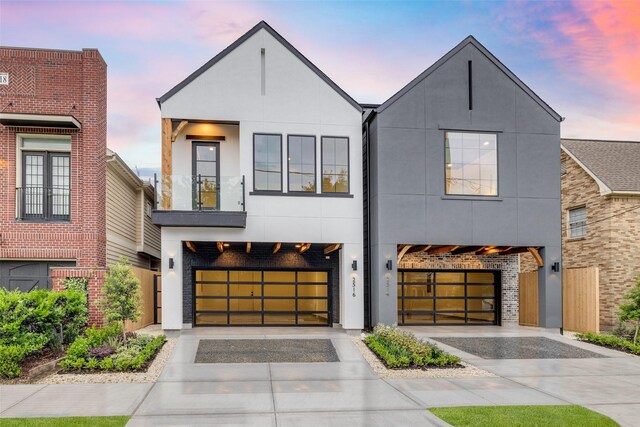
580 299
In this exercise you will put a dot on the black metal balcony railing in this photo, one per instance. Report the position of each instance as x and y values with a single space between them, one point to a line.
43 203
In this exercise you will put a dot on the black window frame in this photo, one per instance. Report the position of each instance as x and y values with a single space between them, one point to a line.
315 164
322 165
255 190
444 180
194 168
47 205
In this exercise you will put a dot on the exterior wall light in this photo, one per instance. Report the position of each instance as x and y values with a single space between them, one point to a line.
555 267
170 263
389 265
354 265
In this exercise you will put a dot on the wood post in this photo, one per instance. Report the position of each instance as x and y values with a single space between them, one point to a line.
167 181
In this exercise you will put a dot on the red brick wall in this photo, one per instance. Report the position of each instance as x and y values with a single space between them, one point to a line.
62 83
53 82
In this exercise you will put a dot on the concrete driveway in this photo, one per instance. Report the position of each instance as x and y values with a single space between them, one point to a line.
338 393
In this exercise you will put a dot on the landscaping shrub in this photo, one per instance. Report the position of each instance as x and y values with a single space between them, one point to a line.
611 341
399 349
630 310
104 349
31 321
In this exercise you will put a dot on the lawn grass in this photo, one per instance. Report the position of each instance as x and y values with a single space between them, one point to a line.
521 416
66 422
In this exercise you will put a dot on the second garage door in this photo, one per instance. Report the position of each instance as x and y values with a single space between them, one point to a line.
261 297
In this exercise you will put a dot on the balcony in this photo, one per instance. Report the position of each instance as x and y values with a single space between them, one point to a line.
200 201
43 204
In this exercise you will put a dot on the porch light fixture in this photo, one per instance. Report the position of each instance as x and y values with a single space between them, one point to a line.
170 263
226 245
389 265
555 267
354 265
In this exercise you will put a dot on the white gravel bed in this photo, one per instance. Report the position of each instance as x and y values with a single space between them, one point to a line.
382 371
150 376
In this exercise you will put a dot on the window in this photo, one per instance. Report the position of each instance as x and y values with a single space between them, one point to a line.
578 222
335 165
302 163
471 164
267 162
206 168
44 191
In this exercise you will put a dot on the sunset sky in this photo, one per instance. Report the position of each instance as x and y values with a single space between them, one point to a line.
583 58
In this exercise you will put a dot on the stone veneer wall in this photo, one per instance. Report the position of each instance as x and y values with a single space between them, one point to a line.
507 264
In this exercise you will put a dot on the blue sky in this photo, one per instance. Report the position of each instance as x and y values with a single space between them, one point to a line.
579 56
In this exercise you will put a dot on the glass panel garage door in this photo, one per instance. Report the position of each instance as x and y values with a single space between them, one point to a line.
448 297
275 298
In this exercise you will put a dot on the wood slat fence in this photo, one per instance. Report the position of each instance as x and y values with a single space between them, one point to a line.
148 307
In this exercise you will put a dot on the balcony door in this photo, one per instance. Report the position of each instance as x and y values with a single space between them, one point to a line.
206 175
46 181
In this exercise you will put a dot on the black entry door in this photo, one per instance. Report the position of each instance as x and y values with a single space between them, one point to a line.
206 171
428 297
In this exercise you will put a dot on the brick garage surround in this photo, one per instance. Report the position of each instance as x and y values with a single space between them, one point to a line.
260 257
507 264
96 281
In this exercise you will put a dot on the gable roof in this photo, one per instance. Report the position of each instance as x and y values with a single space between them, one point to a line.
612 164
262 25
470 40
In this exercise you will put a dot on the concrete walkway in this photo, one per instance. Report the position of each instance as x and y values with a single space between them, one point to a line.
336 394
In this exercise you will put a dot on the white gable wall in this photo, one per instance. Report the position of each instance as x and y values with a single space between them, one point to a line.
297 101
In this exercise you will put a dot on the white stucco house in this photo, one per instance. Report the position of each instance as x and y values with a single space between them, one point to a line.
261 192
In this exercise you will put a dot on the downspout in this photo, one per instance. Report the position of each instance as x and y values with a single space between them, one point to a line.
368 230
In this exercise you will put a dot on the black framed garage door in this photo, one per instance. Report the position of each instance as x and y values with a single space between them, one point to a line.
261 297
451 297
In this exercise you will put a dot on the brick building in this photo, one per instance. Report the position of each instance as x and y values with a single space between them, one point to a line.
601 216
53 106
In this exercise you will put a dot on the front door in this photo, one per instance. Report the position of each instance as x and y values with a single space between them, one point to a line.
206 175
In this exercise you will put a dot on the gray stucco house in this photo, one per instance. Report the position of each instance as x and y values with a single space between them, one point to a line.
461 175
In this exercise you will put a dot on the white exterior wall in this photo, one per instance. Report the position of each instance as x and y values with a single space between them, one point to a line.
296 101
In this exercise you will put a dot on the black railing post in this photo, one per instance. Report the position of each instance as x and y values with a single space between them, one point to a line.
155 191
199 192
244 208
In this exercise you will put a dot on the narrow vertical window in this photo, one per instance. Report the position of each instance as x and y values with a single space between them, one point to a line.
578 222
302 163
263 77
470 69
335 165
267 162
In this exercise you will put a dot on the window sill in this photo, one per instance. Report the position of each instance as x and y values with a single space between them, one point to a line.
576 239
44 221
301 194
483 198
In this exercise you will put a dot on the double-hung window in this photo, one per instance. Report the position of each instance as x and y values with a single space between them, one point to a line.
578 222
471 164
267 162
45 192
301 163
335 164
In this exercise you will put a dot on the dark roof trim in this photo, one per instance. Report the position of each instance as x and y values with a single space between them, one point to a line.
471 40
262 25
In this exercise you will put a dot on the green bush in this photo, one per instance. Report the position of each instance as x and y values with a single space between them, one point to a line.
38 319
399 349
132 356
10 358
612 341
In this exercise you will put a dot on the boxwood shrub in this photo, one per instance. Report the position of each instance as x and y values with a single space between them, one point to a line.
399 349
31 321
611 341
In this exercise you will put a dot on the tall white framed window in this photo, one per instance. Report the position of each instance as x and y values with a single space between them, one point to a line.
578 222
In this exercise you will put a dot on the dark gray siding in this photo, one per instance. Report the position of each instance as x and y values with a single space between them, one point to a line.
408 204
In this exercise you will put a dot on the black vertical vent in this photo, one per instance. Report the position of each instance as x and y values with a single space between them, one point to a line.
469 63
